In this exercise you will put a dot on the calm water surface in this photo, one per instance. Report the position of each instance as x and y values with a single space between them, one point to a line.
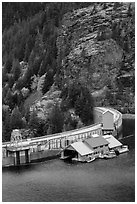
57 181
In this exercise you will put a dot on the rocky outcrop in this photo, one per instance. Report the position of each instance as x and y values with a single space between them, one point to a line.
87 49
44 106
89 52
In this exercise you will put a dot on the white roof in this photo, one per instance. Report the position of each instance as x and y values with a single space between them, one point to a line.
113 142
81 148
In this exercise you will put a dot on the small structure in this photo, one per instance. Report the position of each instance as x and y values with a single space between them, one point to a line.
20 155
86 150
77 150
108 122
18 149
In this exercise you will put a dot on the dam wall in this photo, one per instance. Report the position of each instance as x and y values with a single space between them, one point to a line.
27 151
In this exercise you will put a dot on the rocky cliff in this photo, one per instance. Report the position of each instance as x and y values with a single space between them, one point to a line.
96 48
92 44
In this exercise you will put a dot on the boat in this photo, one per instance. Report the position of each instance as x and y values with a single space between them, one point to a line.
109 156
123 149
101 156
83 161
91 160
78 160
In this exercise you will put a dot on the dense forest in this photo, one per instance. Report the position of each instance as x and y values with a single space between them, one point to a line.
29 51
29 48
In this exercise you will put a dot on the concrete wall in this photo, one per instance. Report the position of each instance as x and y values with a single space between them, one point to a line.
47 154
61 140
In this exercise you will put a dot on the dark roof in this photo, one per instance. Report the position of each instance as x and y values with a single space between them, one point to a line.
96 141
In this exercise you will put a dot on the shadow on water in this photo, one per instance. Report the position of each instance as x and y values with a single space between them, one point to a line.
21 168
128 127
128 132
28 167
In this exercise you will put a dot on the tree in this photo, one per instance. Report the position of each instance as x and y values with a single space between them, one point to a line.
9 99
16 119
6 128
56 120
16 70
78 97
4 93
48 81
4 76
8 63
70 123
84 106
11 80
36 124
33 120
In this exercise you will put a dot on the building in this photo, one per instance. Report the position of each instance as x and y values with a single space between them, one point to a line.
77 150
89 148
98 144
108 122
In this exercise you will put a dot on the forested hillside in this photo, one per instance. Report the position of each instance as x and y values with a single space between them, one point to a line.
50 77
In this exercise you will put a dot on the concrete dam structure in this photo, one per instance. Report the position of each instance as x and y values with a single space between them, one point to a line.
24 151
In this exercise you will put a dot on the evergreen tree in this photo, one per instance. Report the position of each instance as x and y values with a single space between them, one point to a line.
8 63
4 93
16 70
16 119
69 122
9 99
6 128
48 81
78 97
36 124
33 120
4 76
11 80
56 120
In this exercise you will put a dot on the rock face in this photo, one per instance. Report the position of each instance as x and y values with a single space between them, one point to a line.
87 50
90 51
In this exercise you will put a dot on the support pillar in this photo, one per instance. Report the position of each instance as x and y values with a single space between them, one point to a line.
27 156
17 158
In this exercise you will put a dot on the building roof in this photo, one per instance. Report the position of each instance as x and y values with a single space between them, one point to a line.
81 148
108 111
96 141
113 142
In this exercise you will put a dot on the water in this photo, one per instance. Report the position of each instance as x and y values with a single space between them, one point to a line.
57 181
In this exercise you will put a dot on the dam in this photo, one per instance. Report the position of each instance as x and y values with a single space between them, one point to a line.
23 151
